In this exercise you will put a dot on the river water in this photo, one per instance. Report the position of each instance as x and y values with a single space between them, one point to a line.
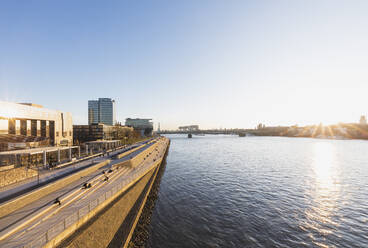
227 191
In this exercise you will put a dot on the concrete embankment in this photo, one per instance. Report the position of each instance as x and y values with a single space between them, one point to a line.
34 195
60 214
113 226
141 232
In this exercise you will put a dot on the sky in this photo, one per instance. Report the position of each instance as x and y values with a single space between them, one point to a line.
218 64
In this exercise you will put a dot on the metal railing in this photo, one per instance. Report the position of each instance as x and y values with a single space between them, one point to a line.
65 223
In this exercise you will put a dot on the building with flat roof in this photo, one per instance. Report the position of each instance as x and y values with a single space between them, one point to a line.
143 126
93 132
21 125
101 111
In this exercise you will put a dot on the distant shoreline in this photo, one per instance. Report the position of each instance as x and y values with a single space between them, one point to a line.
341 131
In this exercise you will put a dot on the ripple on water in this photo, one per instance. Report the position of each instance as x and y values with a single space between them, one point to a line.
226 191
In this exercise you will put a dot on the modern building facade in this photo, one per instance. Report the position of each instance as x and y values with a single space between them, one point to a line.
94 132
93 112
101 111
143 126
28 123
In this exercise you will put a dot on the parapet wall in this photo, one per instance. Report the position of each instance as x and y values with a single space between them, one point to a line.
15 175
34 195
105 222
126 189
135 161
111 222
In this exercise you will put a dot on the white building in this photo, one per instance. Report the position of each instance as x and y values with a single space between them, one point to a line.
26 119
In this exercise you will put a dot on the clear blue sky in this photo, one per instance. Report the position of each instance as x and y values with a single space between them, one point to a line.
213 63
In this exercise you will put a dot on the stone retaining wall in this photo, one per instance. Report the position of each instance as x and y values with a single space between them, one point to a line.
15 175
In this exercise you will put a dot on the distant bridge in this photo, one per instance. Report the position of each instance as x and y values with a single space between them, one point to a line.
208 131
190 128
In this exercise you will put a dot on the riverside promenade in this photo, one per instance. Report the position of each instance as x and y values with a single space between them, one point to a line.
65 216
62 170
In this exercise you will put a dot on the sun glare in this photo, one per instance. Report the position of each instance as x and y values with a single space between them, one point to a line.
325 192
324 158
325 169
7 112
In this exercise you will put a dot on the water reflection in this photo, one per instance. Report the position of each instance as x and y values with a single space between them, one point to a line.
325 193
262 192
324 166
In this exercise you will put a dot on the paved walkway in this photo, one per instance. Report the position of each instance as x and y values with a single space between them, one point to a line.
28 210
78 198
47 176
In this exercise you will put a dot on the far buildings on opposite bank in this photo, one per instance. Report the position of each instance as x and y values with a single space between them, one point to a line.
337 131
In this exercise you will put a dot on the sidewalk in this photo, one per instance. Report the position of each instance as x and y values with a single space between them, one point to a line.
46 175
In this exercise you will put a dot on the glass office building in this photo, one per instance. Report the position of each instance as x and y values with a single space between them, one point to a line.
92 111
101 111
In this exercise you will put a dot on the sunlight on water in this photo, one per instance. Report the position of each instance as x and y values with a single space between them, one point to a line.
324 166
226 191
325 194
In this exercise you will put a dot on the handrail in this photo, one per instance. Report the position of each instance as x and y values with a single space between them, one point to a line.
62 225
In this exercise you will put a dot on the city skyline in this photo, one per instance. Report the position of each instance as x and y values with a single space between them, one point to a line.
215 64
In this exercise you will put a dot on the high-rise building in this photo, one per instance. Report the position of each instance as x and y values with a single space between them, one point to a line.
101 111
93 112
107 111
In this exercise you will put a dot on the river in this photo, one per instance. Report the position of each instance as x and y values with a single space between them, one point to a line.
227 191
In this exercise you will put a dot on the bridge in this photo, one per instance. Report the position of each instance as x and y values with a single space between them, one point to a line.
96 202
242 132
190 128
194 129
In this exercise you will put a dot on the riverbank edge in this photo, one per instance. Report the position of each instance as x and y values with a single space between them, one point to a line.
141 231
